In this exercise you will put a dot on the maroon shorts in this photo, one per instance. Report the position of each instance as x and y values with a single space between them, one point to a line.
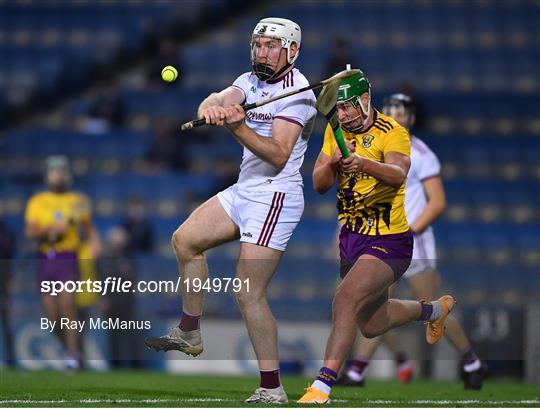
394 249
58 267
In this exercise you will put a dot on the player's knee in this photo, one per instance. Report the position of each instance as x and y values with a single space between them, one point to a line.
181 245
176 241
245 298
342 308
369 331
346 299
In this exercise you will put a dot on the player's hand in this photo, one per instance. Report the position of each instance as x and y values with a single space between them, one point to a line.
338 155
59 228
57 231
351 147
235 116
354 163
214 115
335 159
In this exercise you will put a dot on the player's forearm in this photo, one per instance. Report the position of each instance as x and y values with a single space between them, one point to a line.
34 232
95 242
214 99
387 173
324 177
266 149
427 217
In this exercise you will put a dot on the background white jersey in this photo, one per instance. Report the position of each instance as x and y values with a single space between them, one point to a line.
256 174
424 165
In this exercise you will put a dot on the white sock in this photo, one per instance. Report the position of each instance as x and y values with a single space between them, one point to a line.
321 386
355 375
437 310
473 366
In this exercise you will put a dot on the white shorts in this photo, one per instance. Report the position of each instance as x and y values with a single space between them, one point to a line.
424 254
264 218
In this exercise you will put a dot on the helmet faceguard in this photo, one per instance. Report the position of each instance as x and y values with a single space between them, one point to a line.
287 31
399 105
350 90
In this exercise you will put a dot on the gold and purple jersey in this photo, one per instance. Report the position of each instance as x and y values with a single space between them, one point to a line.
47 208
366 205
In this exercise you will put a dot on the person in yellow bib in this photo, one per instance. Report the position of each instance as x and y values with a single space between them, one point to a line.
56 218
375 242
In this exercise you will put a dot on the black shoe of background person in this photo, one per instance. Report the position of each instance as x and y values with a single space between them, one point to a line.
474 380
344 380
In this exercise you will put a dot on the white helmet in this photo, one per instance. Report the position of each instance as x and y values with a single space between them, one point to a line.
281 28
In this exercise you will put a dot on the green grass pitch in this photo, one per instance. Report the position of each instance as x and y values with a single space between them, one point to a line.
135 389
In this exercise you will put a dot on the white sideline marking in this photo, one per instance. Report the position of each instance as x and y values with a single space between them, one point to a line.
458 401
117 400
370 401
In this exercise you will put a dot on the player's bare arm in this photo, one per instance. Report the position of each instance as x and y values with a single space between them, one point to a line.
325 171
392 171
213 107
94 240
275 150
436 203
34 231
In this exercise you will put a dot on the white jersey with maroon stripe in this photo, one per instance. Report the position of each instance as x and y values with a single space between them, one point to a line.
424 165
255 173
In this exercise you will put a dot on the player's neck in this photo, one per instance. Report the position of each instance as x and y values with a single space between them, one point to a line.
58 190
370 121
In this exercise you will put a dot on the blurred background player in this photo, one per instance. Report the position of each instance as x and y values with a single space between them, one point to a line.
375 242
263 208
117 261
138 227
56 218
424 202
340 56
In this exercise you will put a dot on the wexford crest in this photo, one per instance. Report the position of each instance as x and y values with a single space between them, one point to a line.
366 140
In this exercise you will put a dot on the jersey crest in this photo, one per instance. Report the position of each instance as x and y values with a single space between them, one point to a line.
366 140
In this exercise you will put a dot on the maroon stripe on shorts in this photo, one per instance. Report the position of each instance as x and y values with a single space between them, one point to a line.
274 222
268 216
265 236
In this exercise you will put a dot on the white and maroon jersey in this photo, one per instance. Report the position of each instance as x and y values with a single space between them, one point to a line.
255 173
424 165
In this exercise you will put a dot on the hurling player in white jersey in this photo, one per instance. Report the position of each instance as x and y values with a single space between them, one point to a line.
263 208
424 202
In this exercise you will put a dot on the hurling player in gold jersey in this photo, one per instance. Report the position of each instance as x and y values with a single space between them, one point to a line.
57 218
375 241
